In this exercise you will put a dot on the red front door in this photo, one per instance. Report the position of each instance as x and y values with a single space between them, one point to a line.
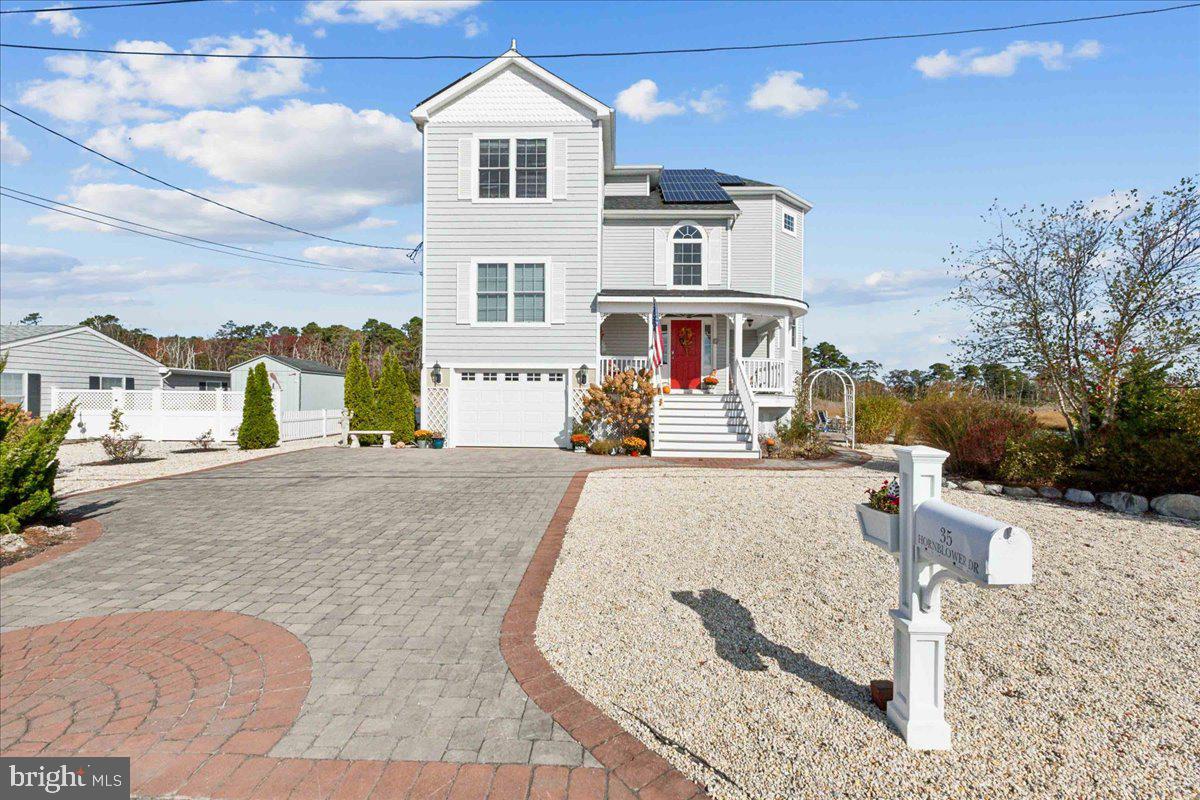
685 354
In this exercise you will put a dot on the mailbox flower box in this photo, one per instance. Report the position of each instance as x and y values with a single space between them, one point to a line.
879 527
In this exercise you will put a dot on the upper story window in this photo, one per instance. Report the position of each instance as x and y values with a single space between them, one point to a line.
510 292
492 293
503 176
687 263
789 222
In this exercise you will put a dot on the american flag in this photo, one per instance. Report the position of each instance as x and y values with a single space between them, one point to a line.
656 343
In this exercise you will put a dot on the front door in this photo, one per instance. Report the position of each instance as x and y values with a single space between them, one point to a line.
685 354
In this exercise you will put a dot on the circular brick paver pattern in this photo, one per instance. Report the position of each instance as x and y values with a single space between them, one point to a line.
168 682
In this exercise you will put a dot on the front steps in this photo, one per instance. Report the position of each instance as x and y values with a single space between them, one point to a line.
702 426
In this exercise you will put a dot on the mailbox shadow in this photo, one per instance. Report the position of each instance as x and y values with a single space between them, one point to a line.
739 642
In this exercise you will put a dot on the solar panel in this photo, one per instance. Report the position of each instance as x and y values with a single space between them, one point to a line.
691 186
725 179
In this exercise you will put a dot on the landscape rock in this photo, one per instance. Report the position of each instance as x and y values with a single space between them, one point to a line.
1050 493
1020 491
949 484
1125 502
1104 498
994 488
972 486
1079 496
1180 506
12 542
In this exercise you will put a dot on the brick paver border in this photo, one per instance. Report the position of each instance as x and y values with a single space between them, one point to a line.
86 532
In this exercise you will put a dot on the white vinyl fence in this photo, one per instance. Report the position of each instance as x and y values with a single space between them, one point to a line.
172 415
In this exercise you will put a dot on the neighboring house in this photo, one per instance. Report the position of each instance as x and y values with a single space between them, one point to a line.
40 357
203 380
303 385
542 257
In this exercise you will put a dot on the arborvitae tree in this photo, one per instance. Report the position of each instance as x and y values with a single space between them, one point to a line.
393 400
360 395
259 427
404 431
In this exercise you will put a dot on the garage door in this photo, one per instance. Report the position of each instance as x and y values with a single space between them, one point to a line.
525 408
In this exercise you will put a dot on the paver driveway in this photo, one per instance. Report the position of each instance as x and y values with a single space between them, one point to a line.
393 568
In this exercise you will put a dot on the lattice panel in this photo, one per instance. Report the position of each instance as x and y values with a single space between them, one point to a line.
200 402
87 399
435 408
138 401
576 407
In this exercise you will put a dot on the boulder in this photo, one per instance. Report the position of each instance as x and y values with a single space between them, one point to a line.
1125 502
949 484
1020 491
1180 506
972 486
993 488
1079 496
12 542
1050 493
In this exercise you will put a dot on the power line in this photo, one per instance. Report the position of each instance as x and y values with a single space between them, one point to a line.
617 53
299 261
106 5
194 194
185 244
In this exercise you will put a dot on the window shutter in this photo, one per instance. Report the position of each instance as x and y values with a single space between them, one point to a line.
33 393
661 261
464 294
93 381
466 152
558 171
714 259
129 383
558 293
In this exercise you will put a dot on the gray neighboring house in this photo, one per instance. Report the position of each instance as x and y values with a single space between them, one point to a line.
69 357
304 385
209 380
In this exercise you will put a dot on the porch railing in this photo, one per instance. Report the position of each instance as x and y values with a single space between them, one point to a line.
611 365
745 395
764 374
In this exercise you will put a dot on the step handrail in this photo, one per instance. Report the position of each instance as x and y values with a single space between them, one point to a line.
746 397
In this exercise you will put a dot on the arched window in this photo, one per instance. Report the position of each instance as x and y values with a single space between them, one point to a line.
687 261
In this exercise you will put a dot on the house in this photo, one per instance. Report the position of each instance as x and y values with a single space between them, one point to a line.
303 384
544 259
41 357
204 380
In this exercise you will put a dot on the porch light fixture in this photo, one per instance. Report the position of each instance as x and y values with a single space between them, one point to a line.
436 373
581 375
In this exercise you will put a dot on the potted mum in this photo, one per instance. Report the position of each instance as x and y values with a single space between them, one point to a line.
580 441
437 439
879 517
634 445
709 381
422 437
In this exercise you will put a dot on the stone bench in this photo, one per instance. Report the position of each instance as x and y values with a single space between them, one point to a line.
387 437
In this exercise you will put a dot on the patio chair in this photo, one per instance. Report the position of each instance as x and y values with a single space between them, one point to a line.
822 421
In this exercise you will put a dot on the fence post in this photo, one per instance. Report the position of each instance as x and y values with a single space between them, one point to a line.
156 408
219 429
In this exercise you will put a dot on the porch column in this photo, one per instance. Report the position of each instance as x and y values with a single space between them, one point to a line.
786 344
739 321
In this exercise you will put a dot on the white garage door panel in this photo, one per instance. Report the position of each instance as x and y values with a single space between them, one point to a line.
502 413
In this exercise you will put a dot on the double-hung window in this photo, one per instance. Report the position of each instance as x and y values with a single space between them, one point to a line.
12 388
510 292
687 247
789 222
513 168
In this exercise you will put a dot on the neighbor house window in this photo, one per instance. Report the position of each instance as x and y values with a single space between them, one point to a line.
513 168
492 293
688 255
529 297
110 382
510 292
789 223
12 387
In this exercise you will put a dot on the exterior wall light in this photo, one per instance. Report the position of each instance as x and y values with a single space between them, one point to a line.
436 373
581 375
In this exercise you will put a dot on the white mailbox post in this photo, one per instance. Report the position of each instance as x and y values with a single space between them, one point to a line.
939 542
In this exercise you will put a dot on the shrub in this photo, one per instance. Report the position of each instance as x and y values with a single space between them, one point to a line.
259 428
906 428
204 441
117 446
604 447
798 438
975 431
1122 460
29 463
876 417
623 403
359 395
1040 459
393 400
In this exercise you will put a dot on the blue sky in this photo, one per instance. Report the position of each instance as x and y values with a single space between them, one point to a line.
900 146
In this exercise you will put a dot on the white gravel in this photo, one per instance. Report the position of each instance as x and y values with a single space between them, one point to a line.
78 472
1083 685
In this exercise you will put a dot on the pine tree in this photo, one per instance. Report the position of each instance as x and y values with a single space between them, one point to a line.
259 428
360 395
406 424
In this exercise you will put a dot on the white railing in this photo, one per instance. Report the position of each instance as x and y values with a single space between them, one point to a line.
181 415
611 365
765 374
745 393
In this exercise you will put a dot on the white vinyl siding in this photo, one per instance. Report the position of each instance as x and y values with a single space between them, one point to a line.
752 250
627 186
789 255
638 254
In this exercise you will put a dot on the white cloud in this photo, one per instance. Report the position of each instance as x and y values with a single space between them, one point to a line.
362 258
710 102
11 149
473 26
90 172
640 102
385 15
62 23
1002 64
374 223
880 286
414 239
21 258
112 88
1116 204
319 33
782 92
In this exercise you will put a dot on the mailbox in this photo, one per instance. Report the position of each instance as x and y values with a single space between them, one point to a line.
974 547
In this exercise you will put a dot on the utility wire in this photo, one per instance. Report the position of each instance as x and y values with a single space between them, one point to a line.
194 194
186 244
299 261
618 53
106 5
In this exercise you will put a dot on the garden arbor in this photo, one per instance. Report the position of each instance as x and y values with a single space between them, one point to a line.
829 382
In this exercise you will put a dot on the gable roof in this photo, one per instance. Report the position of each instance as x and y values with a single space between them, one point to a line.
41 333
16 333
301 364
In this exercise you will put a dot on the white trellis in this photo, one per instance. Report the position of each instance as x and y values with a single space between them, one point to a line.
846 428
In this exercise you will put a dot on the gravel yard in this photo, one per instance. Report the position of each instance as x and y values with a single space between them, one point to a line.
732 620
78 472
